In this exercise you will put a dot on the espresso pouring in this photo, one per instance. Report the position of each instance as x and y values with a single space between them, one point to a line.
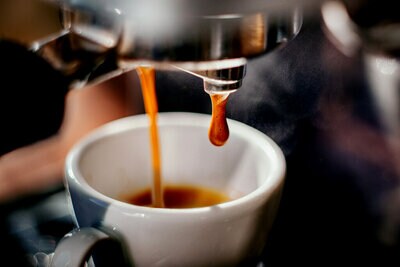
180 196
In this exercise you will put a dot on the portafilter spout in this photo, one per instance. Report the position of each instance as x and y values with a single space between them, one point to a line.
210 39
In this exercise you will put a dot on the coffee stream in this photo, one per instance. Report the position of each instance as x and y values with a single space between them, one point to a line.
218 132
147 81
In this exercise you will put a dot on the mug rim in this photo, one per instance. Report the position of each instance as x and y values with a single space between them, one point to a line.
255 198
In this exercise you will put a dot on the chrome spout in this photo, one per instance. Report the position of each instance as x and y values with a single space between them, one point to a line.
221 76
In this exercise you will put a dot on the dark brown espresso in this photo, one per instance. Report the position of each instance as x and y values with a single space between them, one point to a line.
180 197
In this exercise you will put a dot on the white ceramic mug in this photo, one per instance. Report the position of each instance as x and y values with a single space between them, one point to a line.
115 160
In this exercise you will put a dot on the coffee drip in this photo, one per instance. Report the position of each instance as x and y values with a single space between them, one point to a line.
218 132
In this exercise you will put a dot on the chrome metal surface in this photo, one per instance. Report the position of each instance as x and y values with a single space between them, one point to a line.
202 37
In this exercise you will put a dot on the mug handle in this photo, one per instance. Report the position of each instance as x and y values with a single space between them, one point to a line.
76 248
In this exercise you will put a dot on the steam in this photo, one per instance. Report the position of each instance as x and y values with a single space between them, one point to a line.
278 92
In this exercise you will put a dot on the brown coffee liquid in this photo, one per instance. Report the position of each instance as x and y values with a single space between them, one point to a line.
218 132
147 81
181 197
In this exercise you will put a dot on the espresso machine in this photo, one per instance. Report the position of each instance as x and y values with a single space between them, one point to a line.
101 39
94 41
341 197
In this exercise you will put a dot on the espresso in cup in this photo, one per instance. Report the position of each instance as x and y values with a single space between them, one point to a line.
208 204
180 197
113 164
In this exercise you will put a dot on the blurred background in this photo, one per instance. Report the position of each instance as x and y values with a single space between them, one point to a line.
334 112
